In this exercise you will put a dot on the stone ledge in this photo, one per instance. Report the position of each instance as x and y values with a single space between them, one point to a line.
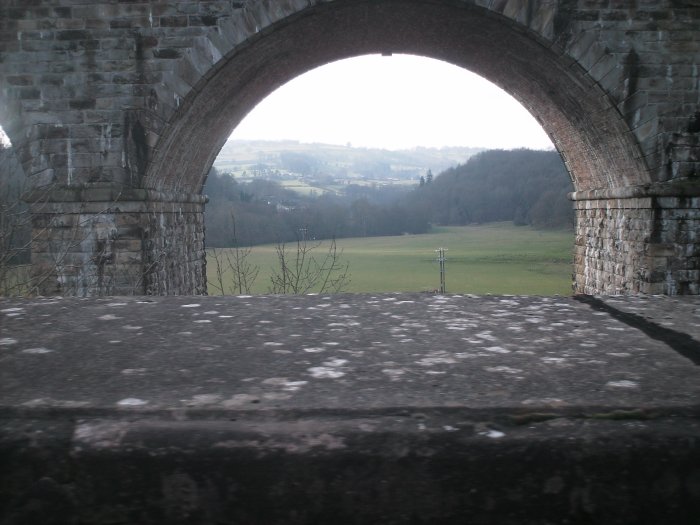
393 408
398 466
96 193
681 188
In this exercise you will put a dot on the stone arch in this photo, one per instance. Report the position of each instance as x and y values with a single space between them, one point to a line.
586 127
119 108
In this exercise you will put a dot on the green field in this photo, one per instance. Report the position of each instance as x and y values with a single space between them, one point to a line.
496 258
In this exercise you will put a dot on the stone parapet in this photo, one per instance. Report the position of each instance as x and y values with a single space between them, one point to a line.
401 409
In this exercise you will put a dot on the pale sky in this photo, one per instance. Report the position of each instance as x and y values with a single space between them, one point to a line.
394 102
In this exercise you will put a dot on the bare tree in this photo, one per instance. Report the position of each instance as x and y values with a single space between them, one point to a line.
300 272
234 262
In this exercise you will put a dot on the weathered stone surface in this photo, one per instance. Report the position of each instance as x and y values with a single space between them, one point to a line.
641 241
143 94
106 242
402 408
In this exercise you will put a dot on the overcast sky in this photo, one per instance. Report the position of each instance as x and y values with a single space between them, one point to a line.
394 102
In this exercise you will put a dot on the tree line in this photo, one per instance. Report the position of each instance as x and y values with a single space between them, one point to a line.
523 186
266 212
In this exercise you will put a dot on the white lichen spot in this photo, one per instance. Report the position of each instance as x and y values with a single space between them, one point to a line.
276 396
432 361
12 310
131 327
38 350
510 302
211 312
109 317
282 352
553 359
504 369
323 372
114 341
203 399
486 336
293 386
284 383
493 434
7 341
535 320
193 305
116 304
314 349
335 362
394 373
225 316
620 354
331 343
622 384
588 345
264 322
272 343
131 402
497 350
450 428
133 371
545 401
202 321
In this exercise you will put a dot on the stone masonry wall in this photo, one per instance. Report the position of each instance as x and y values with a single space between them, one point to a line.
137 94
102 243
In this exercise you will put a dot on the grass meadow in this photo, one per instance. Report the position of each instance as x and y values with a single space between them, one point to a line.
496 258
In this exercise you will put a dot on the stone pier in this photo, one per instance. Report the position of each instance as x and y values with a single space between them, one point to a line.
128 242
638 240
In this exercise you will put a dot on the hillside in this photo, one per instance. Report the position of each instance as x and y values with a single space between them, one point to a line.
332 163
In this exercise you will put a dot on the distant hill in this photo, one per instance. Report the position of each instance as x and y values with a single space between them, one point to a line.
246 158
522 186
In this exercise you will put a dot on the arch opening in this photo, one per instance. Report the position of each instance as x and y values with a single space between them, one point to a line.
397 102
584 126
